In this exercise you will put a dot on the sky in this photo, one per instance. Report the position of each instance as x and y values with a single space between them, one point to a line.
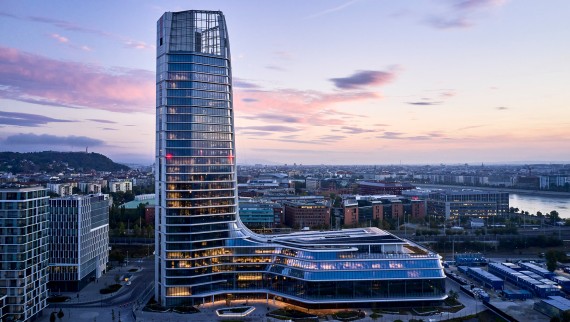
315 82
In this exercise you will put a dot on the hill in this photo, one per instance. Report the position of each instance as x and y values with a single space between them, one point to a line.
52 161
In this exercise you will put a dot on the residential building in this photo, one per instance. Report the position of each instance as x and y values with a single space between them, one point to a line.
89 187
62 189
350 212
312 184
24 235
79 241
203 250
364 210
120 185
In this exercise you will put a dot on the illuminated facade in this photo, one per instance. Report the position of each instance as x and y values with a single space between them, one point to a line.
203 251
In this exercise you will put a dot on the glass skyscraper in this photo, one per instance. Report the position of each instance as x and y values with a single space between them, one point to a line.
203 251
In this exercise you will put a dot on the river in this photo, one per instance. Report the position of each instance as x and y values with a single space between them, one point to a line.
544 204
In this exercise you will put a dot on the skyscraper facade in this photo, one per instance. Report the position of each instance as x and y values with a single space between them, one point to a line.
23 251
203 251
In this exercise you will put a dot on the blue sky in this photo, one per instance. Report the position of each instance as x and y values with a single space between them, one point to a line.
335 82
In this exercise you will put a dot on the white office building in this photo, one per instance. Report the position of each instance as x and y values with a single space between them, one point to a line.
79 248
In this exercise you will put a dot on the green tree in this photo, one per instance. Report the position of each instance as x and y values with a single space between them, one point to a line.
60 313
52 317
552 258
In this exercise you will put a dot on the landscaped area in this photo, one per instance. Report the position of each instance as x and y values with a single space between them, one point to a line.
186 309
110 289
58 299
349 315
154 306
234 312
291 314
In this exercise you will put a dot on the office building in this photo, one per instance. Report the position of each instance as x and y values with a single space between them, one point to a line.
453 203
260 213
301 214
79 241
203 251
382 188
23 251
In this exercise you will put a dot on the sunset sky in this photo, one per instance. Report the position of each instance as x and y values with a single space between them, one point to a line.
315 82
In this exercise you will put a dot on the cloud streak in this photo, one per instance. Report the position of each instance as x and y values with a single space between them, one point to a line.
333 9
355 130
269 128
102 121
36 79
424 103
460 12
274 117
25 119
47 139
363 78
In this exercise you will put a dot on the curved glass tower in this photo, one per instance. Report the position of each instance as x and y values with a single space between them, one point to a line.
203 251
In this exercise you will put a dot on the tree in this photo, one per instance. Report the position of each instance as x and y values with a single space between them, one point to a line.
552 258
565 316
60 313
52 317
554 216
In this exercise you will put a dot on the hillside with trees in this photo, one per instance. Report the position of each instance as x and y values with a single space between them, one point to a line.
52 161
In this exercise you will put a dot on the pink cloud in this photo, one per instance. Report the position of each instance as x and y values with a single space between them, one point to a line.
59 38
37 79
477 4
308 107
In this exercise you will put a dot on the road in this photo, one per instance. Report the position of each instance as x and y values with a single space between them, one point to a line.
127 295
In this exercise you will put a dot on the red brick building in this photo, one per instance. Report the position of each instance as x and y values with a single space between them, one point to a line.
307 214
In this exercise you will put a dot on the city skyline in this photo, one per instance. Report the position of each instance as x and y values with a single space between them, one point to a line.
326 82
